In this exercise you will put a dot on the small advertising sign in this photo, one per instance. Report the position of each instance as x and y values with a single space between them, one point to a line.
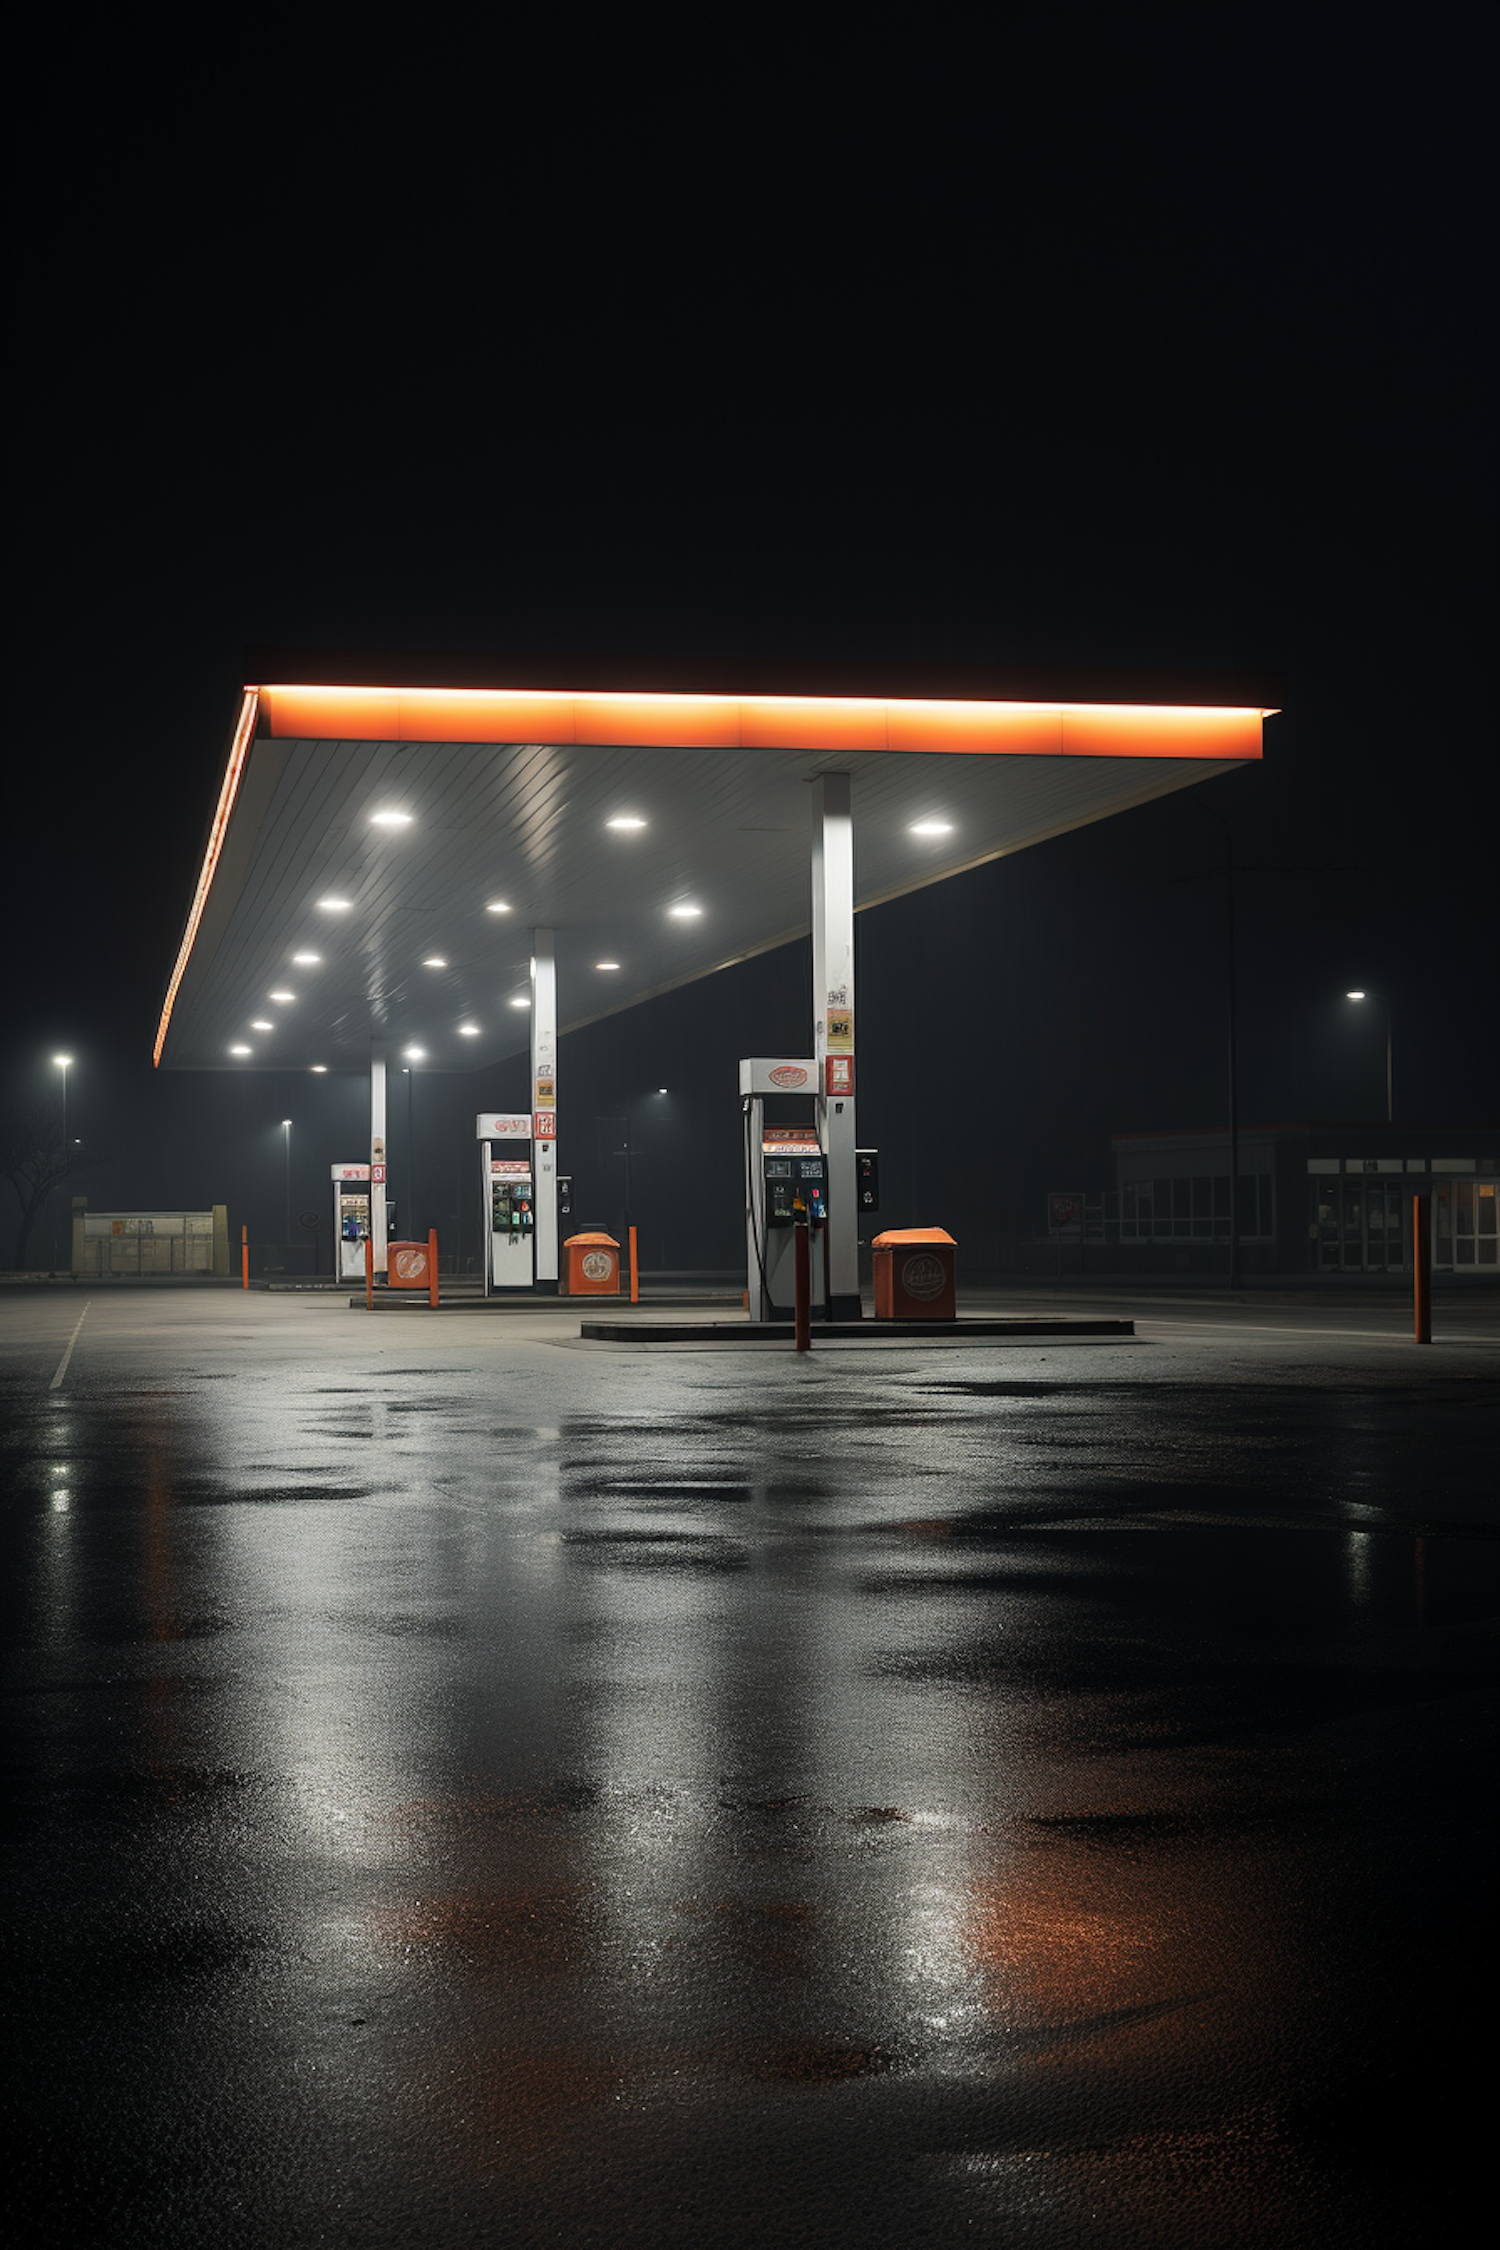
777 1074
546 1090
839 1074
841 1031
790 1140
545 1122
1065 1211
503 1125
377 1174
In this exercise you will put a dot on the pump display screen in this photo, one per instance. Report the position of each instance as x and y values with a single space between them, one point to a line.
778 1167
810 1168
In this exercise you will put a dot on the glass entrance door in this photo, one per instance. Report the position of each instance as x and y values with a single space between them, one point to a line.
1361 1225
1383 1201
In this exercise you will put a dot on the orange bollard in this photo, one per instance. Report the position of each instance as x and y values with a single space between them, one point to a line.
432 1285
802 1266
369 1274
1421 1268
635 1278
245 1257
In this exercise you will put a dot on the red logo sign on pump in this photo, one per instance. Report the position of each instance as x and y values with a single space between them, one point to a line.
923 1276
788 1074
545 1122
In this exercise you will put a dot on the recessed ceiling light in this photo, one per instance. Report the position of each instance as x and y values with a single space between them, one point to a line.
415 1054
686 913
520 1001
242 1050
282 996
1354 996
932 827
260 1024
308 960
391 819
435 961
606 964
468 1031
625 820
334 905
497 906
321 1068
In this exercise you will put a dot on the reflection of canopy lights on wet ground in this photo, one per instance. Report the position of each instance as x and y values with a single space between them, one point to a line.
395 814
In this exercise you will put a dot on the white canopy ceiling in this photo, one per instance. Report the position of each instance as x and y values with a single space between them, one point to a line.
415 948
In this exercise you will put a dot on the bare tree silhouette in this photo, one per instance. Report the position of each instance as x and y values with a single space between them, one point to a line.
34 1160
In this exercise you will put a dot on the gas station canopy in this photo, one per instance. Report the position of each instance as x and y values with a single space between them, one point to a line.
388 833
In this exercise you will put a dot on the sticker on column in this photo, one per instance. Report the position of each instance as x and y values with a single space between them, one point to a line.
841 1031
546 1124
839 1075
546 1092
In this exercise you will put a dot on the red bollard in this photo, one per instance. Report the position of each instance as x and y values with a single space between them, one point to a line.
1421 1268
245 1257
802 1267
635 1276
432 1285
369 1274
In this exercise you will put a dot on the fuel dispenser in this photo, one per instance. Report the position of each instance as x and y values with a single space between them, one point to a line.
784 1165
351 1219
508 1187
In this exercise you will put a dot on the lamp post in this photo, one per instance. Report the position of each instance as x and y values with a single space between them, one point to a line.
286 1135
626 1151
62 1062
1233 1276
1385 1004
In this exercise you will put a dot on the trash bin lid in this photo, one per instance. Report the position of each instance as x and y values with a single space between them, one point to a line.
607 1239
897 1236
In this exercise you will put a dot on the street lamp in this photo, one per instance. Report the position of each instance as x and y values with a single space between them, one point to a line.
62 1062
286 1135
627 1152
1385 1004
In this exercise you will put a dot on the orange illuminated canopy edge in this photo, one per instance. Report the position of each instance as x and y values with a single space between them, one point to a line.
302 711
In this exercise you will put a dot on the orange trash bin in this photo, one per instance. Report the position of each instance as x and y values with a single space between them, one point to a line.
591 1266
406 1265
915 1274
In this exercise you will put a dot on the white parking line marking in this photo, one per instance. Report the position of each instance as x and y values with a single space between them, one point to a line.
62 1365
1258 1328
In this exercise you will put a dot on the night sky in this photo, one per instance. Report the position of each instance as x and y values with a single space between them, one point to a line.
842 363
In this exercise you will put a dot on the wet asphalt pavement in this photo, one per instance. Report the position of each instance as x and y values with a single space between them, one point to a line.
468 1786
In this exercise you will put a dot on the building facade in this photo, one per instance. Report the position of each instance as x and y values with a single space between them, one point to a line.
1313 1199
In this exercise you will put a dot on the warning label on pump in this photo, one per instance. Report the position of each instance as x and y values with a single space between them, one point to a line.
546 1125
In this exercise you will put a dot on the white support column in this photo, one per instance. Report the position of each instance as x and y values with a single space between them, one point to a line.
544 1106
833 1030
379 1176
